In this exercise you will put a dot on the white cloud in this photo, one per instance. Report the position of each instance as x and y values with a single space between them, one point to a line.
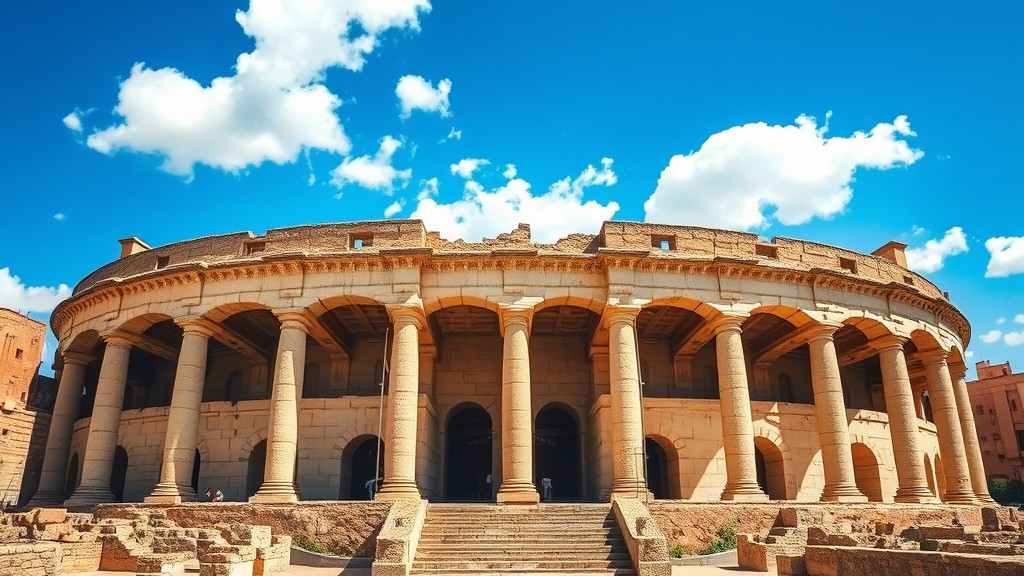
1019 318
1001 320
931 257
73 121
467 166
453 134
416 93
17 296
510 171
394 208
917 230
59 216
969 354
1006 256
486 213
275 105
991 336
1013 338
747 176
375 173
428 188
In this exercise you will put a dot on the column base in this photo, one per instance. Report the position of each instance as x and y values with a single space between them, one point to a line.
743 492
518 492
398 490
90 496
169 493
985 499
629 488
274 492
918 495
842 493
959 497
47 499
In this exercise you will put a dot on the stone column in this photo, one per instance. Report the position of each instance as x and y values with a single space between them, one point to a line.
182 435
282 438
974 461
106 417
903 427
947 424
403 405
737 425
58 439
833 430
626 405
516 410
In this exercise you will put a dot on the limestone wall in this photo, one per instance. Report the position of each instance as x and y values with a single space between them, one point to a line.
29 558
22 439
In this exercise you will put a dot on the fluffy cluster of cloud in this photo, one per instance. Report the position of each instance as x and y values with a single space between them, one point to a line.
1009 337
17 296
375 173
746 176
485 213
930 257
416 93
1006 256
467 166
273 107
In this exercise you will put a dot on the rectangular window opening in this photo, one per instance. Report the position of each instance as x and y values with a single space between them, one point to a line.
254 248
1013 405
766 250
848 264
162 261
358 241
981 410
663 243
19 353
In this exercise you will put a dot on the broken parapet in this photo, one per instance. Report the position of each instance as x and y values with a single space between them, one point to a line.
645 541
396 543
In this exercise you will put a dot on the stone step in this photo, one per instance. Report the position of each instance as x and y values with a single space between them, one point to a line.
535 572
434 528
521 539
502 548
545 565
520 556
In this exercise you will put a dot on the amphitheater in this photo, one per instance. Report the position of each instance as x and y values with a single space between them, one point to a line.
650 365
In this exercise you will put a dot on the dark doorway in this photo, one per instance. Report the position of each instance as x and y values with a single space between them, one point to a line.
118 473
257 466
556 452
196 461
364 462
468 455
72 479
657 469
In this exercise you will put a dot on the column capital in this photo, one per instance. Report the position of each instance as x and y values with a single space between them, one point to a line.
727 322
120 339
407 314
79 358
300 319
515 314
197 325
820 330
628 314
957 371
889 342
932 357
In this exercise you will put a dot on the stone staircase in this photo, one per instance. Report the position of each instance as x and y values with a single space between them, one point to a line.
577 538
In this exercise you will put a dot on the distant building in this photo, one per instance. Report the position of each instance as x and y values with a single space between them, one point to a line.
22 428
999 415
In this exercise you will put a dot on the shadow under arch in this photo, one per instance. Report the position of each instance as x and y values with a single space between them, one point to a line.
662 467
73 477
139 324
436 305
469 449
771 468
255 468
119 473
360 461
556 448
865 471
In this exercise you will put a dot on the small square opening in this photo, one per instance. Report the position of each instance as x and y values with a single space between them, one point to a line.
358 241
19 353
848 264
663 243
255 248
908 279
162 261
766 250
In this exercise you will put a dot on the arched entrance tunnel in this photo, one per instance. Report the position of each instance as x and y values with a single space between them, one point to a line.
468 455
556 452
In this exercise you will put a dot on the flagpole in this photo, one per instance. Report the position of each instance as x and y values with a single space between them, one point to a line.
380 414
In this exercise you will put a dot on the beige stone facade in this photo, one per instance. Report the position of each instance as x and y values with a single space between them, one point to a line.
21 347
680 362
997 402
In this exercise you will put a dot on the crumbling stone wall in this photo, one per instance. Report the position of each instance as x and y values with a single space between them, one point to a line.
29 558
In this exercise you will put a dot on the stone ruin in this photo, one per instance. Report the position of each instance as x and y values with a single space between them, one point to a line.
812 543
48 542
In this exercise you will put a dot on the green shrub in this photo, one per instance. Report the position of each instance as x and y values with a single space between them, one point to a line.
1007 492
724 540
677 551
308 544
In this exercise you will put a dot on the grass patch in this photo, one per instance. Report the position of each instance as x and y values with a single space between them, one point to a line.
724 540
310 545
678 551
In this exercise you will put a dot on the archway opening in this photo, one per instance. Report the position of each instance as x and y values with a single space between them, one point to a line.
468 452
257 467
361 460
72 478
657 469
865 471
197 460
556 450
118 473
771 471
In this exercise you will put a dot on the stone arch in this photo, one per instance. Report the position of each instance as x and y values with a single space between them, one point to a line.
470 453
87 342
558 450
225 311
356 469
865 471
459 300
698 307
796 317
925 340
143 322
774 461
347 437
255 438
323 305
664 465
871 327
595 306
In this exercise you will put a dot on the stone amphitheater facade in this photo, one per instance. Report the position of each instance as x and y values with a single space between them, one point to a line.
685 363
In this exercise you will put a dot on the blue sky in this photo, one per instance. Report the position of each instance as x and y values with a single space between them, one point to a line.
849 125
